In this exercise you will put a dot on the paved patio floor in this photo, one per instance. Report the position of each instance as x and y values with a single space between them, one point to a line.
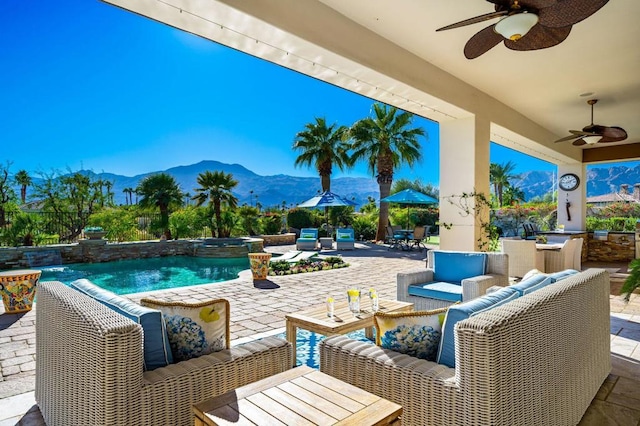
257 311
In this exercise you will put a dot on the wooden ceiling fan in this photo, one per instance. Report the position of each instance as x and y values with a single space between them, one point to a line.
527 24
595 133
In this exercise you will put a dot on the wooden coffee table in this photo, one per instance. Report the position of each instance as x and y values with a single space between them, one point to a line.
343 321
299 396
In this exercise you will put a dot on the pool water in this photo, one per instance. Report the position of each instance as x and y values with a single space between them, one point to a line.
134 276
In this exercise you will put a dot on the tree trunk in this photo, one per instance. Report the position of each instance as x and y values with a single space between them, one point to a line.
383 218
326 182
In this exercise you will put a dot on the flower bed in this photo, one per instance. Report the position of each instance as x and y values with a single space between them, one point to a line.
282 267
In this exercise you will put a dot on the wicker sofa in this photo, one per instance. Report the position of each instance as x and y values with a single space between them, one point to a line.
536 360
89 367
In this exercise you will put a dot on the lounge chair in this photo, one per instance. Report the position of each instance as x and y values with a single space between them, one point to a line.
286 256
308 239
345 239
302 256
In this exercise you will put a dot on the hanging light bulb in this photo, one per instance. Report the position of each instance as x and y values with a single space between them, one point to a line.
514 27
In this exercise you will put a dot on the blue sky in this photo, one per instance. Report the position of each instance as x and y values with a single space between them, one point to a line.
88 85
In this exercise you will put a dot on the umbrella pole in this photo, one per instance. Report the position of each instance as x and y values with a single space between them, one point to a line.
326 219
407 217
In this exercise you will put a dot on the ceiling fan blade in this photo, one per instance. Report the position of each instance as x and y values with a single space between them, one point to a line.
539 37
481 42
537 4
475 20
568 12
579 142
614 132
582 133
567 138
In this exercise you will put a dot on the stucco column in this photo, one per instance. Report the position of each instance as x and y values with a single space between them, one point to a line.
464 168
577 198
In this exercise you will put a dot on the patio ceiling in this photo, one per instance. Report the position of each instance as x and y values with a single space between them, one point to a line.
389 50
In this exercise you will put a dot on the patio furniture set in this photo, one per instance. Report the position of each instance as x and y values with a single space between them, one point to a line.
407 239
345 240
531 353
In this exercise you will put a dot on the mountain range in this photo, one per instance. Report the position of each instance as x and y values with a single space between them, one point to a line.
273 190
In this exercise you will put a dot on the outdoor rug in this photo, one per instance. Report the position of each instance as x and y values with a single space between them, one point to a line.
307 343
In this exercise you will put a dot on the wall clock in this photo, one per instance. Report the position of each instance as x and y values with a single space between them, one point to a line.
568 182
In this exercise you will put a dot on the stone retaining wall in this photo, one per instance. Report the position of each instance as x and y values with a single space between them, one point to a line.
279 240
96 251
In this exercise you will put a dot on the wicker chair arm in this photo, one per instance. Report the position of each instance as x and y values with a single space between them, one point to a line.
477 286
405 279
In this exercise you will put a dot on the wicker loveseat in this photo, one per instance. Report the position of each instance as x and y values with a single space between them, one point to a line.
89 367
536 360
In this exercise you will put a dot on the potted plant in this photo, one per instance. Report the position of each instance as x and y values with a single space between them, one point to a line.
94 232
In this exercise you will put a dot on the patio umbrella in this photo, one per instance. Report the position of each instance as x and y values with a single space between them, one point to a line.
326 199
410 196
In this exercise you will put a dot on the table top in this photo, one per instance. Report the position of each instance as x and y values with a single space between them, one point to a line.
16 272
300 395
556 246
343 321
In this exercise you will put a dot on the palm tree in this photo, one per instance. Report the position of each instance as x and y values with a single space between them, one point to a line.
24 180
216 187
128 195
385 141
160 191
500 176
322 146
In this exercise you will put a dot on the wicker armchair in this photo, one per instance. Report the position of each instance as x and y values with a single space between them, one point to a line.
537 360
523 256
496 275
89 368
568 257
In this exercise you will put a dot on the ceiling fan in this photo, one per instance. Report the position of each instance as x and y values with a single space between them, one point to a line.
594 133
527 24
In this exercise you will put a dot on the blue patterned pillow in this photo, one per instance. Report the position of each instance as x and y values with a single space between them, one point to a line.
412 333
194 329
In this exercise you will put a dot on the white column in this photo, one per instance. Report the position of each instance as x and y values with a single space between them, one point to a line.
464 168
577 198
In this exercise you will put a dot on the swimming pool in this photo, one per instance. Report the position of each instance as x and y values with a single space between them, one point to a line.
134 276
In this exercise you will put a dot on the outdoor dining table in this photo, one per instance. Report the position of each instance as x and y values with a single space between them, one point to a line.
542 250
407 233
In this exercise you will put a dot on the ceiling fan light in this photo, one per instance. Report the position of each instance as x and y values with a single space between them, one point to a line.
592 140
514 27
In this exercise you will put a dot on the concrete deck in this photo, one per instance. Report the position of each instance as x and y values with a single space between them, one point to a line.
260 311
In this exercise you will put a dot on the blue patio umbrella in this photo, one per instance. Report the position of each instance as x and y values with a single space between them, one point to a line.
410 196
326 199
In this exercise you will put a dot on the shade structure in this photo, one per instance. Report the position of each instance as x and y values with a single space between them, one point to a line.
326 199
410 196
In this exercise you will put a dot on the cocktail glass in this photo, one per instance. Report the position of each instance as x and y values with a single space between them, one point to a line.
353 297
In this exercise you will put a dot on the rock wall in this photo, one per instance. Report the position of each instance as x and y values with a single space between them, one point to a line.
96 251
618 247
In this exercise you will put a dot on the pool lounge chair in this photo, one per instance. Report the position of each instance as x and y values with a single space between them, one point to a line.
345 239
287 256
308 239
303 256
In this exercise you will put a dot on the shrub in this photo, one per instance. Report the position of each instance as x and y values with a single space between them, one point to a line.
120 224
362 225
300 218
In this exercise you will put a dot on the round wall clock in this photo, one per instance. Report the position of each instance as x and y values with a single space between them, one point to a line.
569 182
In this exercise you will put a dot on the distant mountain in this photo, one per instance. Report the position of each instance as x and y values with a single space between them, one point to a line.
270 190
273 190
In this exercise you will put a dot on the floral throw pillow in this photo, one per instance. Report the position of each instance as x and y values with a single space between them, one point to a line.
194 329
412 333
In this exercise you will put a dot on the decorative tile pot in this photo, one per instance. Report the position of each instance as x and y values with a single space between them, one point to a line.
18 289
259 265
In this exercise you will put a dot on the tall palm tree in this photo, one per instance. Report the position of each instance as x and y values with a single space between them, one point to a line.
385 141
128 195
500 176
216 187
160 191
23 179
323 147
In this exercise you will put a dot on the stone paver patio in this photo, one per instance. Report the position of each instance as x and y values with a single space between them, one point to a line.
260 311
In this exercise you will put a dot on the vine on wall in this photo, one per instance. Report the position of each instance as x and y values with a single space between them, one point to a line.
477 204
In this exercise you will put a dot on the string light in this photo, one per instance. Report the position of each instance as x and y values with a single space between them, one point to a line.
529 149
313 64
